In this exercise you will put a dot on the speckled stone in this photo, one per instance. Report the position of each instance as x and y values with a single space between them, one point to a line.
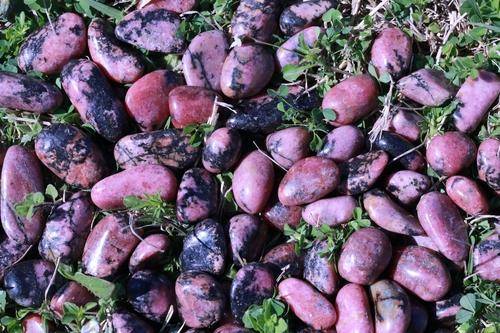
221 150
450 153
289 145
428 87
392 307
467 195
302 14
488 163
392 52
255 19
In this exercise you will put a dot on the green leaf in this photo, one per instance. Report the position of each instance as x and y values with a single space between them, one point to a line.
52 192
292 72
106 10
468 302
329 114
332 15
3 301
101 288
27 207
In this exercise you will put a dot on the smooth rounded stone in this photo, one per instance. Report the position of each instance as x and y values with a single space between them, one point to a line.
149 253
21 175
319 270
364 256
200 299
425 241
390 216
407 124
26 282
312 330
247 236
407 186
395 145
246 70
203 59
119 62
284 259
204 248
35 323
260 114
221 150
422 272
487 258
303 14
139 181
22 92
316 312
94 98
177 6
392 307
442 222
308 180
168 147
147 99
71 292
392 52
11 252
288 54
150 294
362 171
231 328
255 19
253 182
197 197
67 229
488 163
279 215
419 317
445 310
343 143
51 47
353 310
127 322
151 28
331 211
288 145
351 99
251 285
475 97
426 86
190 105
70 155
109 245
467 195
450 153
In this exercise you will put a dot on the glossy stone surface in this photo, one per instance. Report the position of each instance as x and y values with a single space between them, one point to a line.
94 98
71 292
390 216
488 163
353 309
392 307
487 258
278 215
127 322
168 147
351 99
361 172
138 181
421 271
343 143
51 47
253 182
246 71
221 150
147 99
428 87
71 155
317 312
177 6
450 153
118 61
395 145
364 256
67 229
391 52
153 29
319 270
204 248
108 246
21 175
330 211
200 299
190 105
247 237
149 253
22 92
308 180
288 145
202 61
475 98
197 197
287 53
442 222
407 124
255 19
467 195
419 317
302 14
407 186
10 253
283 259
251 285
34 323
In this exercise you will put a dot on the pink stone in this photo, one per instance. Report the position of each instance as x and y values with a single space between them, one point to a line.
353 308
331 211
149 252
288 53
392 52
190 105
450 153
467 195
428 87
343 143
288 145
